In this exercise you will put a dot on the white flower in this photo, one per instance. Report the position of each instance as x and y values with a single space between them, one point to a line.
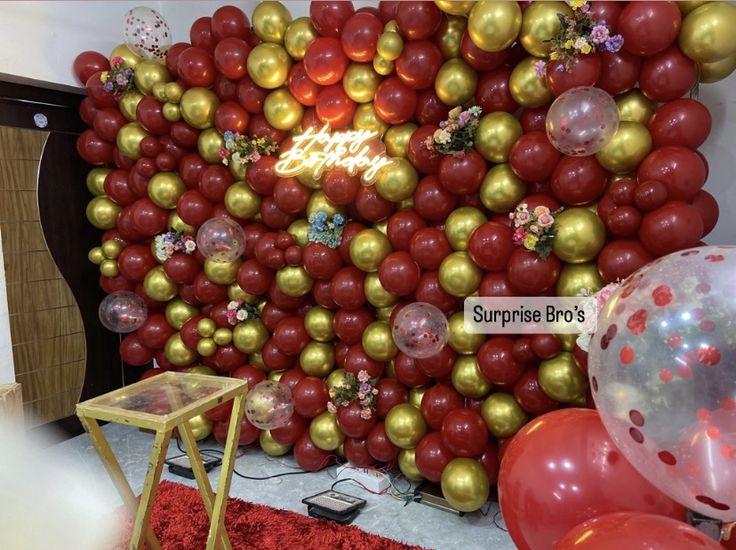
590 309
190 246
233 305
241 315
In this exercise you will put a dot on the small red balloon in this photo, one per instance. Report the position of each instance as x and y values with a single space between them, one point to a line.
667 75
533 157
531 273
490 246
680 169
584 71
496 361
428 247
324 61
329 18
395 102
649 27
334 107
418 20
360 36
462 174
419 63
431 456
493 94
88 63
437 402
464 433
432 201
684 122
196 67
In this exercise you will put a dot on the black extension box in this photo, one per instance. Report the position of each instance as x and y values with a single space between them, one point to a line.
180 466
334 506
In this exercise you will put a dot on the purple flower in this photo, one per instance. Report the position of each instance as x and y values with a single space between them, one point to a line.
540 67
121 80
465 116
585 8
107 86
614 43
599 34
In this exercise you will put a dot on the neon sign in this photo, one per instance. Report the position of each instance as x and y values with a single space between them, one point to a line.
316 151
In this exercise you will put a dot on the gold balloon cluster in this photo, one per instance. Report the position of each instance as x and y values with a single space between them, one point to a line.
105 256
707 37
388 49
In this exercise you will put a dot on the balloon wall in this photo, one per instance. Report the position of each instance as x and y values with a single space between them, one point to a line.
527 149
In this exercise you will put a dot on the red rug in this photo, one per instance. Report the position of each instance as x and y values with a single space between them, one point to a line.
181 523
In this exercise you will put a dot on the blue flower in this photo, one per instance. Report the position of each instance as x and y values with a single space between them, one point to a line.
321 216
337 219
228 135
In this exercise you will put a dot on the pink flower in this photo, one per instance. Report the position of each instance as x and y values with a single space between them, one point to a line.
522 218
534 228
540 211
365 402
545 220
117 60
361 395
331 407
224 153
363 376
519 236
366 414
604 294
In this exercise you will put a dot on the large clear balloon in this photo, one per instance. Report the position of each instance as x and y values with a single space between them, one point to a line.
221 239
420 330
122 311
269 405
147 33
661 366
582 121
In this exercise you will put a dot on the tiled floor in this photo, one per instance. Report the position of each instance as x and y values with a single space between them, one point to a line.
384 515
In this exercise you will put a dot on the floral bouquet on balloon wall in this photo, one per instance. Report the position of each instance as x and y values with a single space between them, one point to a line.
119 79
326 230
245 150
239 311
361 388
456 135
534 230
166 244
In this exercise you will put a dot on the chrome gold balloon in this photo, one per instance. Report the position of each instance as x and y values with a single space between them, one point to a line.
462 342
336 379
241 201
408 465
502 414
461 223
528 89
102 212
493 26
397 181
496 134
129 140
450 34
561 379
298 36
454 7
209 143
294 281
465 484
628 147
360 82
130 58
396 139
177 223
319 202
384 313
238 170
201 369
112 248
567 341
198 106
234 292
325 433
718 70
580 235
365 118
281 110
109 268
165 188
376 295
577 277
368 249
382 66
96 180
707 33
177 352
318 324
250 336
128 103
459 275
148 73
686 6
270 446
95 255
405 426
159 91
540 24
173 92
467 378
269 65
317 359
206 327
158 286
271 21
201 427
221 273
633 106
299 230
389 45
206 347
501 189
378 342
179 312
171 112
456 82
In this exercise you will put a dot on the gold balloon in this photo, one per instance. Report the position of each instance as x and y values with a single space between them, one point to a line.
382 226
158 286
179 312
282 111
241 201
462 342
397 139
501 189
112 248
96 180
177 223
567 341
201 427
318 324
627 148
415 394
238 170
298 36
129 140
209 143
397 181
502 414
206 327
269 65
294 281
173 92
456 82
408 465
177 352
270 446
633 106
221 273
129 57
360 82
580 235
707 33
405 426
686 6
454 7
223 336
382 66
319 202
165 188
128 103
391 26
109 268
468 379
299 230
465 484
459 275
234 292
201 369
365 118
527 89
384 313
206 347
461 223
271 21
561 379
95 255
389 46
718 70
368 249
159 91
576 277
250 336
317 359
496 134
376 295
102 212
378 342
325 433
198 106
149 73
171 112
493 26
540 25
335 379
450 34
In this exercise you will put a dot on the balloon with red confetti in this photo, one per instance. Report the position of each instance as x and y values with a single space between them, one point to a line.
420 330
146 33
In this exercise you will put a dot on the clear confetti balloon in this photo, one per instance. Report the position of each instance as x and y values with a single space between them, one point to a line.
662 367
221 239
122 311
420 330
269 405
582 121
146 33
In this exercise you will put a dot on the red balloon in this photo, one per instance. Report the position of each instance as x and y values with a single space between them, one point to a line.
111 284
94 149
250 95
283 301
407 371
231 55
302 87
193 208
291 432
606 11
271 315
229 21
340 187
623 222
622 192
490 246
334 107
324 61
578 180
533 120
428 247
430 110
214 181
351 421
347 288
250 374
545 346
149 218
370 206
391 392
395 102
533 157
584 71
431 456
182 268
133 352
208 292
671 227
329 18
619 70
200 34
350 324
423 158
291 377
432 201
430 290
496 361
154 333
464 433
360 35
117 188
107 123
531 273
231 116
97 93
707 207
357 360
546 488
196 67
254 277
273 358
649 27
262 176
667 75
490 461
684 122
290 336
228 358
356 451
310 397
418 20
529 394
479 59
462 174
493 94
220 413
310 457
379 445
291 196
125 225
88 63
259 127
399 273
248 432
185 137
149 114
419 63
321 261
172 57
437 402
387 10
649 195
87 111
401 228
680 169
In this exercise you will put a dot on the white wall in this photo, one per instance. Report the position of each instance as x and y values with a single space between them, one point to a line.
7 370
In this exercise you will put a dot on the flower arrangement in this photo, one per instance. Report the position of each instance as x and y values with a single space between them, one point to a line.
326 230
361 388
592 308
535 229
580 34
166 244
239 311
245 150
119 79
456 135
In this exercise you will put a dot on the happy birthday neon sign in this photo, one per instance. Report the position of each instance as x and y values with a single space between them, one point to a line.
316 151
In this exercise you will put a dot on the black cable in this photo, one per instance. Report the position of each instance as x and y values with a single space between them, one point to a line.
496 523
